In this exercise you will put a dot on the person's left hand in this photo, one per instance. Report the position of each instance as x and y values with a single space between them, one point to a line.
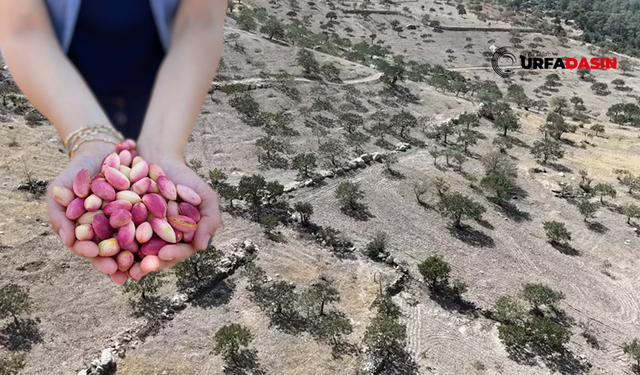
170 255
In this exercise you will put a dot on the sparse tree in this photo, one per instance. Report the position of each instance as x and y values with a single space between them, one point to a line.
197 268
320 294
547 149
516 94
625 66
308 62
435 271
351 121
631 211
559 104
508 310
278 296
385 336
269 223
333 151
14 300
500 175
557 232
457 207
331 72
349 194
506 122
221 186
598 129
357 140
604 190
305 164
273 28
246 20
305 209
556 126
150 284
461 10
229 339
403 121
539 294
600 88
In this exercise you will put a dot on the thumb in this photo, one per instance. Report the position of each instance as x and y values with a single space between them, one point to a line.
58 219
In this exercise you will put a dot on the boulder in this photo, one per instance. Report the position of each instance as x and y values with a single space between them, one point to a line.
359 162
179 301
327 174
366 158
403 147
353 165
249 246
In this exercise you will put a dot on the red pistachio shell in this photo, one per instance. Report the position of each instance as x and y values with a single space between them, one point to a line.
139 213
75 209
120 218
156 205
120 204
82 183
183 223
108 247
163 230
101 226
187 209
63 196
102 189
124 260
126 234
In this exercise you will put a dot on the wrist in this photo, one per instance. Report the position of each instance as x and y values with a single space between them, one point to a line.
154 152
96 148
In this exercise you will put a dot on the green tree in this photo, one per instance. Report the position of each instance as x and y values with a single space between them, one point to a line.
248 108
631 211
273 28
308 62
221 186
349 194
246 20
559 103
149 284
516 94
539 294
547 336
587 209
14 300
199 267
598 129
501 174
552 80
320 294
333 326
330 72
547 149
556 126
468 120
351 121
268 148
633 350
466 138
252 189
305 164
333 151
600 88
457 207
403 121
557 233
435 271
625 66
604 190
508 310
392 72
461 10
229 339
269 223
305 209
506 122
279 297
377 246
385 336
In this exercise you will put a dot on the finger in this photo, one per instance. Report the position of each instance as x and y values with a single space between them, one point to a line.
210 216
150 263
58 219
176 252
135 272
85 249
119 277
104 264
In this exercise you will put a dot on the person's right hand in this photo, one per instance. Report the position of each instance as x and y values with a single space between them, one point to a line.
88 156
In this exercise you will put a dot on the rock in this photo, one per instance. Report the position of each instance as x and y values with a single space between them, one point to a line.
235 243
82 372
402 147
376 156
359 162
249 246
353 165
327 174
179 301
561 174
308 182
366 158
107 358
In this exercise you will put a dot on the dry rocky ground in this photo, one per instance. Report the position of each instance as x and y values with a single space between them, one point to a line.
78 312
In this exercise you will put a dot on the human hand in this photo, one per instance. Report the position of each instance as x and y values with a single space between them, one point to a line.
88 156
176 170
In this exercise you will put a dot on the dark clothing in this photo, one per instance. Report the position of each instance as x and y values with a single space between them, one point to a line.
116 48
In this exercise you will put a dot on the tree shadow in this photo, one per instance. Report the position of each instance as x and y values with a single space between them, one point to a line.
149 307
471 236
485 224
357 211
517 142
276 237
559 167
21 336
561 317
450 299
511 210
597 227
566 363
565 249
392 174
214 295
291 323
246 362
342 348
398 363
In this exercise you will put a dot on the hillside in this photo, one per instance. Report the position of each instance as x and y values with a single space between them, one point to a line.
400 141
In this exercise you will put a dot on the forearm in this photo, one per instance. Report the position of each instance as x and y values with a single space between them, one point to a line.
51 83
182 84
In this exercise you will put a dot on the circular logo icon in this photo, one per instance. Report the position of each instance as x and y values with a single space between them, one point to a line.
498 58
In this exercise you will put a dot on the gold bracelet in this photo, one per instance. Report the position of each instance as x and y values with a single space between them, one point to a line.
91 130
89 139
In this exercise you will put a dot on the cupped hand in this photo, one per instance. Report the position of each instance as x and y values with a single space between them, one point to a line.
89 156
176 170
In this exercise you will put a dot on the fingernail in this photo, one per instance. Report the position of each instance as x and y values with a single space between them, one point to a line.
205 242
63 236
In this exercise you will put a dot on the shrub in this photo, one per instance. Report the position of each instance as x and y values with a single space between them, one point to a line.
435 271
377 246
14 300
457 207
540 294
149 284
229 339
349 193
557 232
